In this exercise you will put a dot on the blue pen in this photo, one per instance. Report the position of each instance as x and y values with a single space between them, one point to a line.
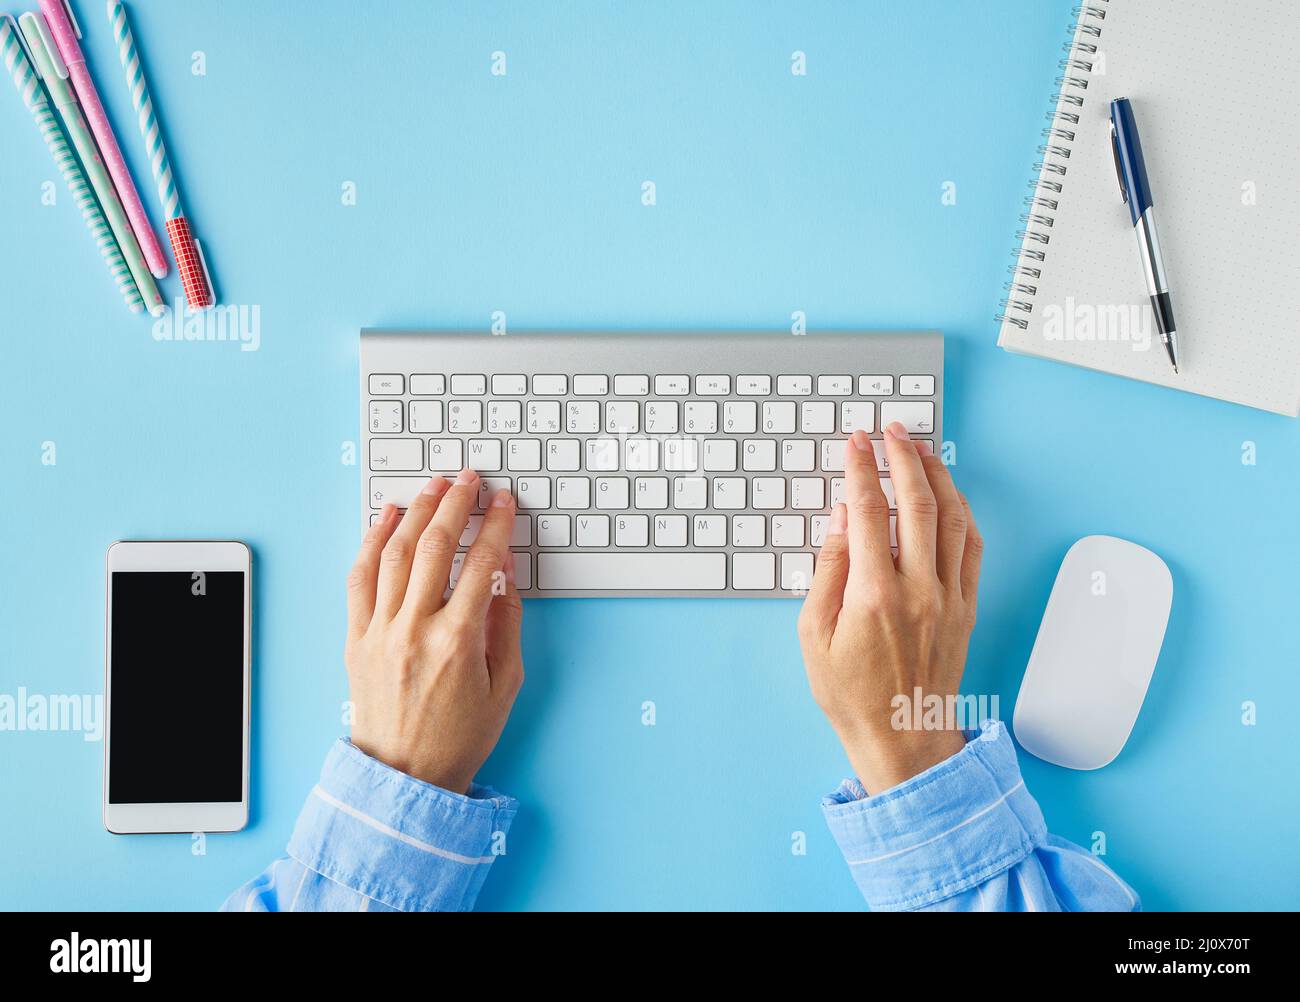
1136 191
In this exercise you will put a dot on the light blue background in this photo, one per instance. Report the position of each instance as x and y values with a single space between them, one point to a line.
478 193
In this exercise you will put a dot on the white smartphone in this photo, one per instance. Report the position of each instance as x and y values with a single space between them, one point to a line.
177 687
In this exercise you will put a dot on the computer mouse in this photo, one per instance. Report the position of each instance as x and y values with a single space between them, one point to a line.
1095 653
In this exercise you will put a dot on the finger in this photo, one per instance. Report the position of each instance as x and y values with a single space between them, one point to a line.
482 576
364 575
973 555
504 618
917 509
436 548
395 564
821 609
950 536
868 512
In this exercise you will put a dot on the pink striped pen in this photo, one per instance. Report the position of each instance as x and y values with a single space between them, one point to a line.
63 26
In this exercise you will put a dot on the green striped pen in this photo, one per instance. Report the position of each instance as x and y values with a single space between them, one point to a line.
47 61
29 88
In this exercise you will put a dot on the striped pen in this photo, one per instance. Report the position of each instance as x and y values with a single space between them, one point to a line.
199 293
33 95
44 58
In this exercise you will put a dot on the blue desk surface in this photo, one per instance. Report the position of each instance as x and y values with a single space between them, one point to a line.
477 193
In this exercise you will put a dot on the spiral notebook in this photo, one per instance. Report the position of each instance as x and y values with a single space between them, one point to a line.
1215 86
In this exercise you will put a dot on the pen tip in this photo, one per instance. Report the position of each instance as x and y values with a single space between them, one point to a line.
1175 370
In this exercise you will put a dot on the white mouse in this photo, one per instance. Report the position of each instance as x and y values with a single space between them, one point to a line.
1095 653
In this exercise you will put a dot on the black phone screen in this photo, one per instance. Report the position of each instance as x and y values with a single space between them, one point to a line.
176 697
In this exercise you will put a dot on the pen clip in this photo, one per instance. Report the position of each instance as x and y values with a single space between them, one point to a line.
56 59
72 18
1119 170
207 275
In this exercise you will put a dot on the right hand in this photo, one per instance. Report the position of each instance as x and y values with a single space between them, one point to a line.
873 627
433 681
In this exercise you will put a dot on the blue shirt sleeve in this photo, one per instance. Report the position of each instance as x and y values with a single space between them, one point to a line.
370 838
965 835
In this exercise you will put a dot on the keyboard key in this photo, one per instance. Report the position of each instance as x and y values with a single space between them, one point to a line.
603 454
833 454
387 385
759 455
729 493
468 386
690 492
740 417
582 417
632 571
510 386
550 385
796 572
710 530
681 455
701 417
834 386
386 417
817 417
631 386
817 529
641 455
769 493
484 455
572 492
446 455
521 533
807 493
779 417
543 417
798 455
837 491
612 493
465 417
753 571
590 386
748 530
754 386
670 530
794 386
489 487
523 571
857 415
651 493
534 492
564 455
712 386
524 455
428 385
720 455
504 417
426 416
400 491
632 530
916 416
672 386
593 530
787 530
553 530
622 416
875 386
392 454
661 417
912 386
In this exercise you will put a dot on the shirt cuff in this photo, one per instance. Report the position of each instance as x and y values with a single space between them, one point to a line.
397 839
942 832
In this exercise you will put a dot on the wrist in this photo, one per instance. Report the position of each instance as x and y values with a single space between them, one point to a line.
435 774
883 761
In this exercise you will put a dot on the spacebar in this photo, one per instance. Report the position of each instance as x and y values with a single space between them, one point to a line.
631 571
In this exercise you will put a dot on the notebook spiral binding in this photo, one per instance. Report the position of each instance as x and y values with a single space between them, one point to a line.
1047 185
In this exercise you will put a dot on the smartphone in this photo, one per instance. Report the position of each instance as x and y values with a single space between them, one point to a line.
177 673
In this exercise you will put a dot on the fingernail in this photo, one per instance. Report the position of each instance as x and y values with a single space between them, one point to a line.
898 431
390 511
502 499
839 521
861 440
466 477
434 486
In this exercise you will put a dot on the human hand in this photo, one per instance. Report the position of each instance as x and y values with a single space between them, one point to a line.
432 682
874 627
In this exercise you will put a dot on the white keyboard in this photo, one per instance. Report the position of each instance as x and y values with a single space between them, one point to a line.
686 464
